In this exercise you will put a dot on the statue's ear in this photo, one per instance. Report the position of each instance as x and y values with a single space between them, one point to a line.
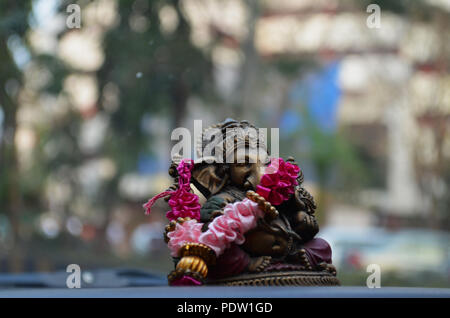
209 177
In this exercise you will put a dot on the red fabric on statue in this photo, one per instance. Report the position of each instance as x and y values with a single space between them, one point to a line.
318 250
232 262
185 281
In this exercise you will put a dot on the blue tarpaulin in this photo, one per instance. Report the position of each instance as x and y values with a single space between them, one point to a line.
320 93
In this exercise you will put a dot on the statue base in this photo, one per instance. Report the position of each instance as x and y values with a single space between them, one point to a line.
284 278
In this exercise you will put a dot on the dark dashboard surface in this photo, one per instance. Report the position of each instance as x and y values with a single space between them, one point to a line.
228 292
137 283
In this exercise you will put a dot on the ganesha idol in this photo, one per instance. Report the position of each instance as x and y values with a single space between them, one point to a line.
242 218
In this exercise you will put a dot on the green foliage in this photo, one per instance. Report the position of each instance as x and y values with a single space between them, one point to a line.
336 162
292 67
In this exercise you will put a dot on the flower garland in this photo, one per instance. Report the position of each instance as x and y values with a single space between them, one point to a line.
182 202
278 182
238 218
276 186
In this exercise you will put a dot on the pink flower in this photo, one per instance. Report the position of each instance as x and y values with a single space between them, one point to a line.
279 181
183 203
188 232
238 218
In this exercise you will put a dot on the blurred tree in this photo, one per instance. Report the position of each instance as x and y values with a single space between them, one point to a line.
152 68
149 62
328 158
156 73
13 25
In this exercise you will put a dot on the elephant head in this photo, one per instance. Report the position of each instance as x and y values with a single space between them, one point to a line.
236 157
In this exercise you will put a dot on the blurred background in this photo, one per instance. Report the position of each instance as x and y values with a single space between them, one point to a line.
86 115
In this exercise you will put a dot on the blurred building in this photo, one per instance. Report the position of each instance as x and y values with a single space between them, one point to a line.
394 82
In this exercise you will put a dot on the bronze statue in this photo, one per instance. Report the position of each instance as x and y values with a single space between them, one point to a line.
279 245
